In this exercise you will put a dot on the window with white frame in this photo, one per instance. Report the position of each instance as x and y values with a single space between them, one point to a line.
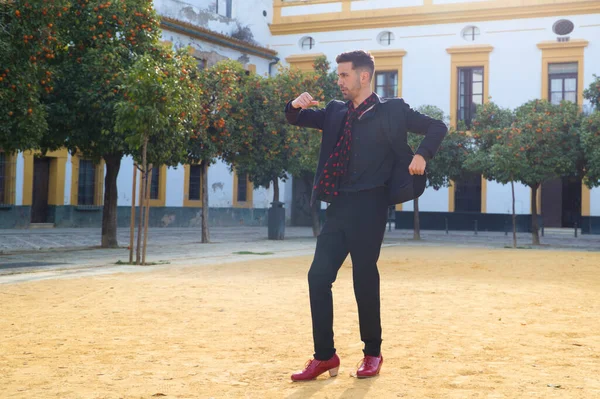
386 84
470 93
562 82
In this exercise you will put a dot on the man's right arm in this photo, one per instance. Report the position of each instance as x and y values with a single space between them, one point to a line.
297 112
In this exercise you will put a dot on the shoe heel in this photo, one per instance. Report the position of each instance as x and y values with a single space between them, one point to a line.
334 372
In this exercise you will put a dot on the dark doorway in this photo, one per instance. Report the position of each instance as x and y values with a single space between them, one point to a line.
41 176
561 202
467 193
552 203
571 201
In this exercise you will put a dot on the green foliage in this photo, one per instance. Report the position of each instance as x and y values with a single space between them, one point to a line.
492 136
322 85
101 42
433 112
590 137
547 137
270 148
28 42
158 104
326 80
537 142
592 93
267 145
448 163
219 112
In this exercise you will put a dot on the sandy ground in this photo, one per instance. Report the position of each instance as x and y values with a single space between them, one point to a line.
457 324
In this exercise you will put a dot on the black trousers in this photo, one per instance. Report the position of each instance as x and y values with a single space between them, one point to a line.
355 225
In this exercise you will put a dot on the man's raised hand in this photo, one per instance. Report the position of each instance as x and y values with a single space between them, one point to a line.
304 101
417 166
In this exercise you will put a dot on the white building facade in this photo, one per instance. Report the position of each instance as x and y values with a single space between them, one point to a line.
450 53
447 53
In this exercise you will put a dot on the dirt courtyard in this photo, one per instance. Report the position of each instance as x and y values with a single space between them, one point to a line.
457 323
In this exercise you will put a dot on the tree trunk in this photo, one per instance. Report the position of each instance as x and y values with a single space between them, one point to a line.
204 185
417 222
133 212
275 190
142 197
109 211
535 234
146 215
514 216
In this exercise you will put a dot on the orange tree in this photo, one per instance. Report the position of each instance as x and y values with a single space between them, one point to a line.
592 93
549 144
542 143
268 146
101 41
28 42
590 136
498 150
158 105
213 129
448 163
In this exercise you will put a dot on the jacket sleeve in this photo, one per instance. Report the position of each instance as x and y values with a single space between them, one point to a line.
313 118
434 131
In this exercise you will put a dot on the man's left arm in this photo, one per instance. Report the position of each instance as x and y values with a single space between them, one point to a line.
434 131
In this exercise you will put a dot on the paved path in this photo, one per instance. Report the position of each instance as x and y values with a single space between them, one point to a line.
63 252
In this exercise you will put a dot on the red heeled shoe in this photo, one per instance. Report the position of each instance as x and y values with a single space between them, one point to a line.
315 368
369 367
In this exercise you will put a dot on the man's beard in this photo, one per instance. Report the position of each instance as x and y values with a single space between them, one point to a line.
351 94
348 95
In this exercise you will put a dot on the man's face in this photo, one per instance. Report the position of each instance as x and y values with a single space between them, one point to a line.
348 80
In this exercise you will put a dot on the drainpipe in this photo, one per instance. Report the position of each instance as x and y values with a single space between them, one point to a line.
274 62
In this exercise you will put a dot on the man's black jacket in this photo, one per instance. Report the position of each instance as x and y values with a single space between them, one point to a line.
396 118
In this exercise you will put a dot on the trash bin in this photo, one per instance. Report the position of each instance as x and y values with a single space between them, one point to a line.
276 221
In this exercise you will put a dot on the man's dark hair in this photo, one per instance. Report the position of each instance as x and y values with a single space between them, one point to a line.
360 59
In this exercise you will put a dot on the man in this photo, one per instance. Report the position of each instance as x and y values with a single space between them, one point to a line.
365 164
